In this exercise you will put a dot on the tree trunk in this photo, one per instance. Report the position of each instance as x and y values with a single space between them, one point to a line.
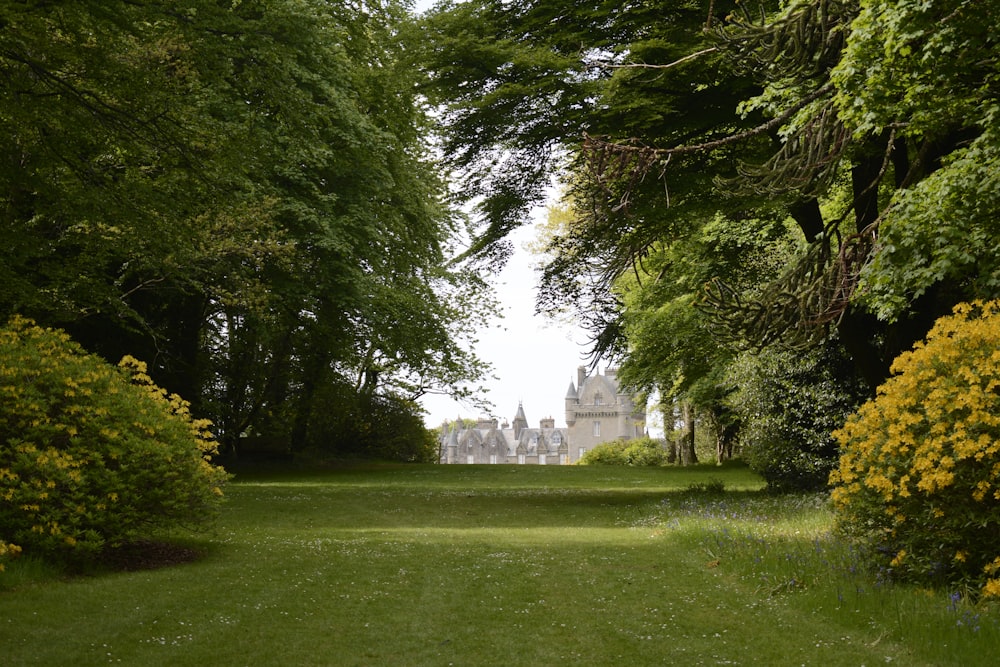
688 454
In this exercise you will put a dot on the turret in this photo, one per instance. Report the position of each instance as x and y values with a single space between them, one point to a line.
572 400
520 421
451 453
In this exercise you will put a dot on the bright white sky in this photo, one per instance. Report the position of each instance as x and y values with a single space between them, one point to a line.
534 358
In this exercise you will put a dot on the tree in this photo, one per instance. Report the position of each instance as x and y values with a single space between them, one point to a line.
790 403
240 194
548 83
709 116
938 232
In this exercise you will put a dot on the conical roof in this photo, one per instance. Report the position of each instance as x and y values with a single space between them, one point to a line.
571 392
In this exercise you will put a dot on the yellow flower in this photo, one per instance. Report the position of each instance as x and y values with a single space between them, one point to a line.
898 560
992 589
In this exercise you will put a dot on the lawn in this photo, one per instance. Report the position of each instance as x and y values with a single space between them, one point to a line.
497 565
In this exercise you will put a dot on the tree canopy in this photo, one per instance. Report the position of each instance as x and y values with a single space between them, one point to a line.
239 193
245 195
710 132
797 175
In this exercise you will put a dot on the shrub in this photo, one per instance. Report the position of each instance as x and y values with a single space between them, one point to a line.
713 487
918 481
635 452
91 454
789 403
8 551
605 454
381 427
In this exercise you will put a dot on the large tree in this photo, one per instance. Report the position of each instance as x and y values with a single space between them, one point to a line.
831 118
239 193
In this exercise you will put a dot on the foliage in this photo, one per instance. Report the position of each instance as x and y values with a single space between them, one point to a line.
863 129
672 346
93 455
942 231
369 426
710 432
8 551
638 452
241 193
928 72
919 476
789 403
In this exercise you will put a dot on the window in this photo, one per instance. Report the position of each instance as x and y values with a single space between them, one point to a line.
563 459
597 429
598 399
493 458
470 458
541 459
520 458
580 452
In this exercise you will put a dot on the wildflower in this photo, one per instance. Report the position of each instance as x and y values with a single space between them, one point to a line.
992 588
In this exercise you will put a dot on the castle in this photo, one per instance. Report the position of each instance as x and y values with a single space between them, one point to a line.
596 412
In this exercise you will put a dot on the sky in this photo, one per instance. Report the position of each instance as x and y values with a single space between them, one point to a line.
534 358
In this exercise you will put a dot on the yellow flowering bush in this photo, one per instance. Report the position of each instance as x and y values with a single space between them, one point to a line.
8 551
918 479
91 454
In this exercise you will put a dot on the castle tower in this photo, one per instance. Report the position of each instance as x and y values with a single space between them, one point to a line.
451 449
600 411
520 421
572 400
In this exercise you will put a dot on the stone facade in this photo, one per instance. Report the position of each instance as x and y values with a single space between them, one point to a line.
596 412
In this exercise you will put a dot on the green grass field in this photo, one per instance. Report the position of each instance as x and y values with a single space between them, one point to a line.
497 565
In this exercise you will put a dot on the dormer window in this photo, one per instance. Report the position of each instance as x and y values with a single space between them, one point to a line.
598 399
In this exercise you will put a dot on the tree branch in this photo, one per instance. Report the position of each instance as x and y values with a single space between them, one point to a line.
680 61
596 144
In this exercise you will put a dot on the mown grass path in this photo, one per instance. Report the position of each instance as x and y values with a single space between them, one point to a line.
496 565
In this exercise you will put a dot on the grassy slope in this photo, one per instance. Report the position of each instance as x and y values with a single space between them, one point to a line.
494 565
